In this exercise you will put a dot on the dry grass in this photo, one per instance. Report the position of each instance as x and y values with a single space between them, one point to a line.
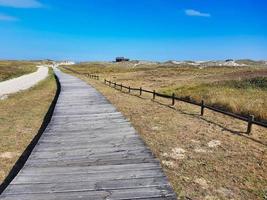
215 85
12 69
21 117
246 96
204 157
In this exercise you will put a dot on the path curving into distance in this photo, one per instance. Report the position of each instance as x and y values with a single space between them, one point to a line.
89 151
23 82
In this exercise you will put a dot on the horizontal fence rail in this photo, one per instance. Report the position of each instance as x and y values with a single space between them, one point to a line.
249 119
93 76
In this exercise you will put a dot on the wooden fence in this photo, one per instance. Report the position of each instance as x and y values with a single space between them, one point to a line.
249 119
85 74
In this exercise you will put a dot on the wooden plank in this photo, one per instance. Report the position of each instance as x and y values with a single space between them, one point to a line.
92 162
90 185
88 151
124 194
85 147
87 169
103 176
112 146
86 154
89 156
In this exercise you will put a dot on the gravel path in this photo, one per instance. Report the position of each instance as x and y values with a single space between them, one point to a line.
23 82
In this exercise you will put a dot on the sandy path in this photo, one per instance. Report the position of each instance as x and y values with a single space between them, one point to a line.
23 82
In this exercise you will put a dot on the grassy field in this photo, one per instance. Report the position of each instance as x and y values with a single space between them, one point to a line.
236 89
245 96
204 157
20 119
12 69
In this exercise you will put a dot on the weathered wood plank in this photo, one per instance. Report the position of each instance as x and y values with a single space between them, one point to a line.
92 162
123 194
90 185
65 178
87 169
88 151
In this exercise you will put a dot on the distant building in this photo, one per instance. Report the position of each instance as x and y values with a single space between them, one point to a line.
229 60
122 59
66 63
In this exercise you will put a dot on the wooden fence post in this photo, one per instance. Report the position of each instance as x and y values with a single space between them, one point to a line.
173 99
202 107
121 86
154 94
115 85
250 121
109 83
140 91
105 81
129 89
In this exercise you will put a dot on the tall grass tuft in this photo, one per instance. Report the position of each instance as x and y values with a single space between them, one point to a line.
246 96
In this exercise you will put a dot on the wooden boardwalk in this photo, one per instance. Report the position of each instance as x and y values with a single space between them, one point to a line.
88 151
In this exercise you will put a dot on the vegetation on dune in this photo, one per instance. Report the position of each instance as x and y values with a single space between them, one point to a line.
237 89
246 96
95 68
12 69
250 62
108 68
253 83
159 69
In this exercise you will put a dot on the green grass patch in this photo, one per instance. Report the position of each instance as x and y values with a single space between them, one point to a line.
253 83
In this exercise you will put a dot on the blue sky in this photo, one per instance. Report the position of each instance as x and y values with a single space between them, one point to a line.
139 29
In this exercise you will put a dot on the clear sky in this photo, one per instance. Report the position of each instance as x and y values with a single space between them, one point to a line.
139 29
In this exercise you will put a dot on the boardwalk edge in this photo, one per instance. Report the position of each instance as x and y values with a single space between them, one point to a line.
27 152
